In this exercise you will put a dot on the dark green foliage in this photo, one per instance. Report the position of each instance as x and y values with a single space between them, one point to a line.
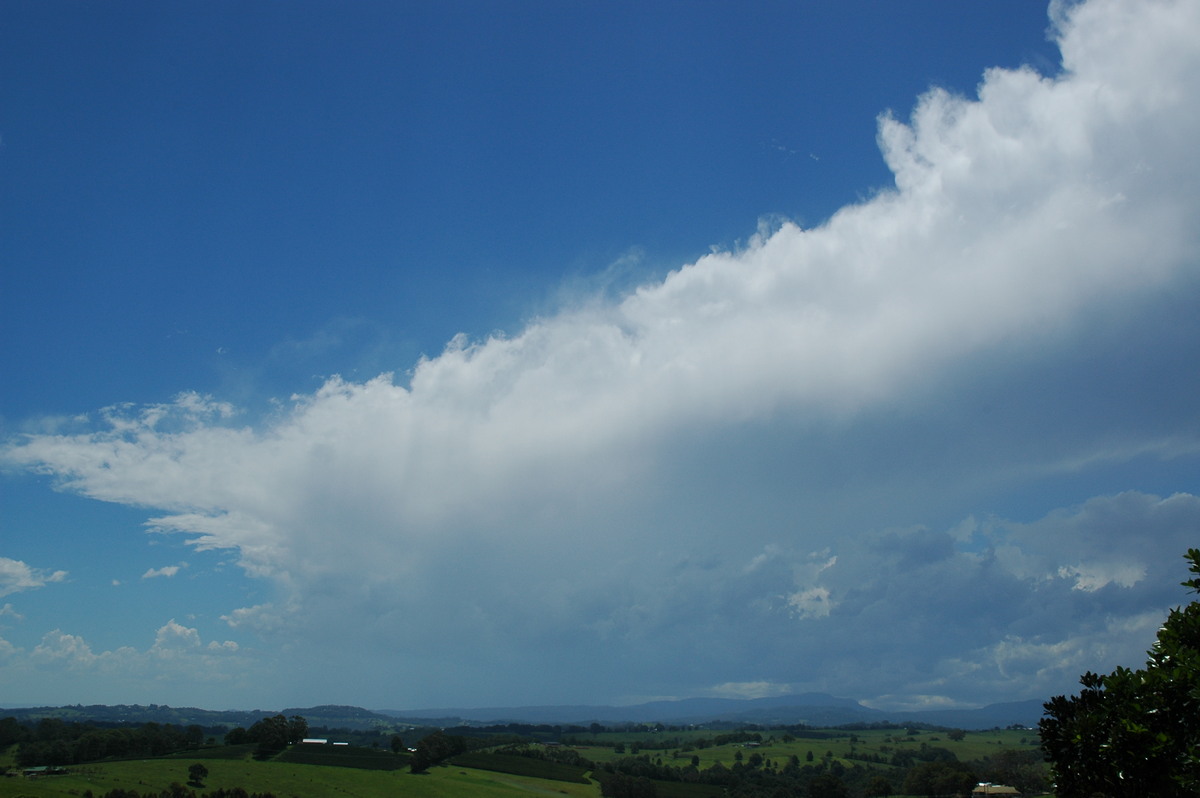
1134 733
236 736
54 742
939 778
11 731
827 785
274 734
436 748
878 787
343 756
520 765
1023 770
676 789
197 773
621 785
218 752
179 791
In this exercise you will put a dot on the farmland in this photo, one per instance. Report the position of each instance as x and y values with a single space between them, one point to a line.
836 744
285 779
676 763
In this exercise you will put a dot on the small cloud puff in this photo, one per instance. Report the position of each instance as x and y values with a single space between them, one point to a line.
166 570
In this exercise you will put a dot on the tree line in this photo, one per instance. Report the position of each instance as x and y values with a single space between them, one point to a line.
54 742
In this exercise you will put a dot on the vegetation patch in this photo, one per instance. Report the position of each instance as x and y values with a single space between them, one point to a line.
522 766
214 752
342 756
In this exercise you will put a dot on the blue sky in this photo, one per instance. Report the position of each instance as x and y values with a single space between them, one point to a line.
413 355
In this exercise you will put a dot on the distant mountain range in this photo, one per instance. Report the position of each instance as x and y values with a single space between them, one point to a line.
813 709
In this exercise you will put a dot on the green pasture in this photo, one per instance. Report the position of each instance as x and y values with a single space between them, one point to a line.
287 780
351 772
779 746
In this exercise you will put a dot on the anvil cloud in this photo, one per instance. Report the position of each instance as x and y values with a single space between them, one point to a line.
933 450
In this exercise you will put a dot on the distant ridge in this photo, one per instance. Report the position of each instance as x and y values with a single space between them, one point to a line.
813 709
330 716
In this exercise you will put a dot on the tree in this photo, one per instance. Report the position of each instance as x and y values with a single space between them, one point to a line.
297 729
879 787
435 748
194 735
1022 769
827 785
197 773
177 790
622 785
271 734
939 778
1134 733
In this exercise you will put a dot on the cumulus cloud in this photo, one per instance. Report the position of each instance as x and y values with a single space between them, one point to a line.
71 650
177 659
175 637
16 576
733 468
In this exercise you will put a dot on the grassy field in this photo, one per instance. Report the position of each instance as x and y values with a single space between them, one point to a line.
288 780
363 773
843 745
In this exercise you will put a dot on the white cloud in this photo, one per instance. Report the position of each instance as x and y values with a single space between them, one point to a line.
812 602
1091 577
16 576
59 647
653 472
759 689
174 636
166 570
178 660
